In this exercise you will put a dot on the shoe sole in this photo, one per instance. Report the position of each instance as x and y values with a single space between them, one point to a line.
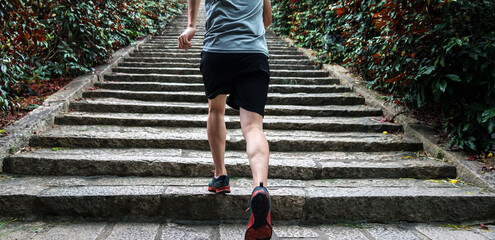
260 209
225 189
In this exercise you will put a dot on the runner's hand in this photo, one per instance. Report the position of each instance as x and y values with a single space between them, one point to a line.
185 38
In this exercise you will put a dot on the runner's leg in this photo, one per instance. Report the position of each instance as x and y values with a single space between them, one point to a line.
256 145
217 132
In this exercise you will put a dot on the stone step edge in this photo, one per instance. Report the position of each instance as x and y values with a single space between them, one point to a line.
181 200
37 162
91 136
323 124
171 86
115 105
304 99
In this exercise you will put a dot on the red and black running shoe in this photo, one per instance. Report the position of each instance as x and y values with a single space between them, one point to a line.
220 184
260 224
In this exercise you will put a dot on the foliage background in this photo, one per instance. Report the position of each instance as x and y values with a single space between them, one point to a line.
45 40
435 56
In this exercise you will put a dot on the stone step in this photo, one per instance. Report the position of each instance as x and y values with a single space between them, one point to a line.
191 163
200 34
197 60
199 40
134 106
61 228
197 48
198 55
198 43
199 37
324 124
175 31
162 50
196 65
109 136
134 77
164 86
316 201
312 99
195 71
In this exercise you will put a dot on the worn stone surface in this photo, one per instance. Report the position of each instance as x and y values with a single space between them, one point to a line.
68 229
393 232
232 231
324 124
135 230
136 106
164 86
314 99
175 231
193 71
196 65
296 232
436 232
378 200
195 138
83 231
343 233
135 77
489 232
193 163
15 229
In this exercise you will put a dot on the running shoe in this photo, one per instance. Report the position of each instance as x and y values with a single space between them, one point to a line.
260 224
219 184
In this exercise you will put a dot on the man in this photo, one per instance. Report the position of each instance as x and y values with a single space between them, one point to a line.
234 64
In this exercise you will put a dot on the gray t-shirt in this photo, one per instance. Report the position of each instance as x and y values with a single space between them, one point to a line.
235 26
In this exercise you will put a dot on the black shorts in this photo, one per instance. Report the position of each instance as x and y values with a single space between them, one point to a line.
244 76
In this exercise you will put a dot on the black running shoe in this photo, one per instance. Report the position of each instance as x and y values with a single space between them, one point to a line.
260 224
220 184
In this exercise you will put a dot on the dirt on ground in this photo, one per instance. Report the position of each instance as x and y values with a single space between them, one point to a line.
28 103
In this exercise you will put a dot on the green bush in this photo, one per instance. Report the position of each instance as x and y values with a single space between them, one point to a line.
437 54
49 39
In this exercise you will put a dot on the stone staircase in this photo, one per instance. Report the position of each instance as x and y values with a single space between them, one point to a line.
135 147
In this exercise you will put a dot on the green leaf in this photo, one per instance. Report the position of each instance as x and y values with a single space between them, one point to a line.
491 126
442 85
429 70
454 77
473 56
470 145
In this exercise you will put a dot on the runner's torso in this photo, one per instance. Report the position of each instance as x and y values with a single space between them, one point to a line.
235 26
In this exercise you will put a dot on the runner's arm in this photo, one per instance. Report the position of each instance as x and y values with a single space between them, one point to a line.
267 13
185 38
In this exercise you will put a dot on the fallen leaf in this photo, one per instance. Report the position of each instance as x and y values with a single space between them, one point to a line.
408 157
482 226
433 180
385 132
472 157
454 181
